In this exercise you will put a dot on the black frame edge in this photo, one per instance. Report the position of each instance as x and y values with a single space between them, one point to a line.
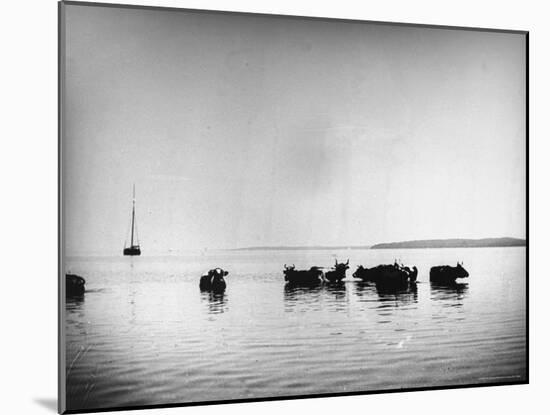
61 362
527 276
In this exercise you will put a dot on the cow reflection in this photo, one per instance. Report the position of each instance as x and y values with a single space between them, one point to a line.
336 290
402 295
216 301
316 298
392 295
337 299
74 302
451 291
299 298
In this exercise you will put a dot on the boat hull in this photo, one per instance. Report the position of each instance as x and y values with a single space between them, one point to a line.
132 251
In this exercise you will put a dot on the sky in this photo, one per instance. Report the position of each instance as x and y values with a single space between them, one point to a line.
264 131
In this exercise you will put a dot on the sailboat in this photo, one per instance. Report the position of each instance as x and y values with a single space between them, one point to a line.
133 250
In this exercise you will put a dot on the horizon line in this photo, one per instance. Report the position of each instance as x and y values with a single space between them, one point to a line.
326 247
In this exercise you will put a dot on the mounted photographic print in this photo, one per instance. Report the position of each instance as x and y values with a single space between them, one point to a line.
259 207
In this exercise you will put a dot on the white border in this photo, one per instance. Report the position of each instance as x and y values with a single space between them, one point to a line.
28 226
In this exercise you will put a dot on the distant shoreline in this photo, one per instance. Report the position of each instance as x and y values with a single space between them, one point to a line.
453 243
416 244
298 248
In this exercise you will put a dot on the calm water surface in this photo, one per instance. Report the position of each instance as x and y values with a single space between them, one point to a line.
144 334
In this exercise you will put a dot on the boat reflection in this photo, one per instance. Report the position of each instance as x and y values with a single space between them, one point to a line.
215 301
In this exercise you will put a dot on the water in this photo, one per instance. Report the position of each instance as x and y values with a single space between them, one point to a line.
144 334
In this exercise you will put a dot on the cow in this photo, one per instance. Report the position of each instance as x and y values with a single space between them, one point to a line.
412 273
213 281
445 274
74 285
392 276
312 276
338 272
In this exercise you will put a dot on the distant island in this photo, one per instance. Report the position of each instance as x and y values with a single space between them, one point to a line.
452 243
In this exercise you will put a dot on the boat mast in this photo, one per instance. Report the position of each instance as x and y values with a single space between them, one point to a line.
133 215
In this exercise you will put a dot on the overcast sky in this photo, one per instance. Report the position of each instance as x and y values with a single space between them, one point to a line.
246 131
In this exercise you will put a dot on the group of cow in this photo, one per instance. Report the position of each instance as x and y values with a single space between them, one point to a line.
394 275
390 276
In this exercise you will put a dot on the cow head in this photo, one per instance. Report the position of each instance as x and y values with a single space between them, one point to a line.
316 270
342 265
217 274
461 271
288 270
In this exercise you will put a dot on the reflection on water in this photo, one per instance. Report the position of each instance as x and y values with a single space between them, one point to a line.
336 291
327 296
364 290
303 298
144 334
449 292
394 296
74 301
216 301
405 295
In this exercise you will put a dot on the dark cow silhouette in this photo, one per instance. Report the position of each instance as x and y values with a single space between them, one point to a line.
445 274
338 272
413 273
312 276
213 281
387 276
74 285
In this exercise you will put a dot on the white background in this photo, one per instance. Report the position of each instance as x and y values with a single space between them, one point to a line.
28 194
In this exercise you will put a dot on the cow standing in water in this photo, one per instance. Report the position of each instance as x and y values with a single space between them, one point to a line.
213 281
395 275
412 273
445 274
74 285
312 276
338 272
